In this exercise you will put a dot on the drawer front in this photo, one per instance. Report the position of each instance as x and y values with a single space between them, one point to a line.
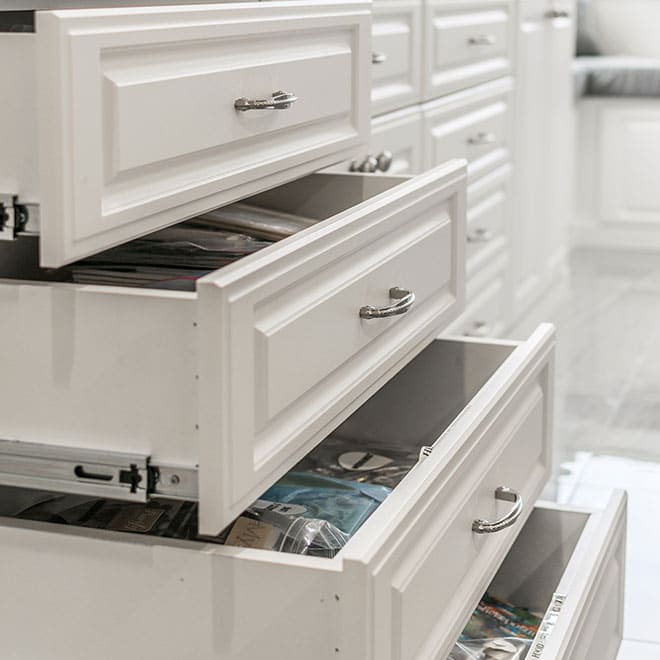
426 565
396 57
138 119
570 563
466 43
283 351
473 125
488 210
395 137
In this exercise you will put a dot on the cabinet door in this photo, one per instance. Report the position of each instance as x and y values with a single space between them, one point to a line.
530 156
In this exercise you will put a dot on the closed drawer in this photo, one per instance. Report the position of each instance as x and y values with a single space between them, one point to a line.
245 375
146 115
487 301
403 585
474 125
466 43
488 213
395 145
396 75
569 563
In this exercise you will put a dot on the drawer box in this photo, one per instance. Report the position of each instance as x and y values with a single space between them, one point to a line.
398 134
474 125
401 588
570 564
244 376
466 43
488 213
143 113
396 78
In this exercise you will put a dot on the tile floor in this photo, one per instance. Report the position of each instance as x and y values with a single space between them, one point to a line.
607 424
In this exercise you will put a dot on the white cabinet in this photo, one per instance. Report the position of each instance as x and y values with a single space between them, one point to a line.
543 144
149 116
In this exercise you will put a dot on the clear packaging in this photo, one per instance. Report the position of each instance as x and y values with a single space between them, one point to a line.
500 648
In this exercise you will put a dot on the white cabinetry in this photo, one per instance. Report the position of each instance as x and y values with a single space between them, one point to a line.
543 149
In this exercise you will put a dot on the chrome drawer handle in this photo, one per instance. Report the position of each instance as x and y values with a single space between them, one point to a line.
557 13
382 162
404 301
278 101
501 493
483 40
482 138
480 235
378 58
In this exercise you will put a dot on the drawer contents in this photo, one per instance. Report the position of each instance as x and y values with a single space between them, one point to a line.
176 257
474 125
497 630
466 43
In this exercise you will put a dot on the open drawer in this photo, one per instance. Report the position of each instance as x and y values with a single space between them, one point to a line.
569 564
401 588
242 377
127 120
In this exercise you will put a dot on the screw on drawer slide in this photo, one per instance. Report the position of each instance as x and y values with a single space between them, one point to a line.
97 473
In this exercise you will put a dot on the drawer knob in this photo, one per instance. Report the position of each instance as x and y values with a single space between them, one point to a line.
557 13
482 137
404 301
483 40
278 101
509 495
378 58
480 235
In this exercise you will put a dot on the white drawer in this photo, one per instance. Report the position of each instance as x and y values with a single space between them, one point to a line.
488 213
466 43
487 301
474 125
137 111
570 564
401 588
395 137
244 376
396 78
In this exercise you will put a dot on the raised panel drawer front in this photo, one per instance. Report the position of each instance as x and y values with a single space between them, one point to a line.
466 43
146 115
396 77
570 563
474 125
284 352
488 213
401 588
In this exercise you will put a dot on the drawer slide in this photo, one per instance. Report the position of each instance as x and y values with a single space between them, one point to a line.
91 472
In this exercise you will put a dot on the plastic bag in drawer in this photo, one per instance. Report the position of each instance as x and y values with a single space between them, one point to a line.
501 648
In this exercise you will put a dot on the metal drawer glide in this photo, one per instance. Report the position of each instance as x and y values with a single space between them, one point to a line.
92 472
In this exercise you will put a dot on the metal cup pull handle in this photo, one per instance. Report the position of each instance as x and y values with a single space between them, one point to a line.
480 235
278 101
501 493
483 137
404 301
378 58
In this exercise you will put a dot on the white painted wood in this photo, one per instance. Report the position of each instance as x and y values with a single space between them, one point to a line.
452 59
401 588
400 133
543 150
137 123
618 204
397 35
283 350
578 555
487 293
474 124
489 206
